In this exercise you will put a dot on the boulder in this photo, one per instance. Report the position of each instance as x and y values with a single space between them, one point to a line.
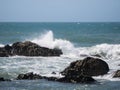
117 74
86 67
31 49
28 76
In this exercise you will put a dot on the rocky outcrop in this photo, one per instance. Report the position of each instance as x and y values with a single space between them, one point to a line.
31 76
28 49
80 71
87 67
117 74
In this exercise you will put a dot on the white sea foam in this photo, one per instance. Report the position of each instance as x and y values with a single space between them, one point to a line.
48 40
107 51
1 45
44 66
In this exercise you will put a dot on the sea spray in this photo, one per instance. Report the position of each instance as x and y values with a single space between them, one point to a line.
47 40
106 51
1 45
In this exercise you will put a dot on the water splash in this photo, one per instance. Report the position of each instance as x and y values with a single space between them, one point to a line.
106 51
47 40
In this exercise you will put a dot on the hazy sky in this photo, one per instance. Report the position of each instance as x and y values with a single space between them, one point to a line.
60 10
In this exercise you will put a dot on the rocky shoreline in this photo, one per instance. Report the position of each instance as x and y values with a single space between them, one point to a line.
80 71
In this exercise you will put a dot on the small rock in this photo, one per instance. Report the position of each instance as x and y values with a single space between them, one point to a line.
29 76
53 72
117 74
2 79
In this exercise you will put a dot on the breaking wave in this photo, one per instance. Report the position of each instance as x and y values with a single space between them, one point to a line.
107 51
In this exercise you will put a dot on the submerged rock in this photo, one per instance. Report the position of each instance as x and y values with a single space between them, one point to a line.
28 76
28 49
80 79
31 76
117 74
86 67
97 55
2 79
53 73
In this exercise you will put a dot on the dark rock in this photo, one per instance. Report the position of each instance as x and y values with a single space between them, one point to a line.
53 72
8 49
2 79
80 79
50 78
29 76
117 74
3 53
28 49
81 71
31 49
97 55
87 67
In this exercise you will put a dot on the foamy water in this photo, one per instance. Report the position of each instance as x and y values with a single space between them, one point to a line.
12 66
1 45
108 52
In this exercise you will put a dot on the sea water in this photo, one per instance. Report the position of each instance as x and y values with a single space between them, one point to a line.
77 40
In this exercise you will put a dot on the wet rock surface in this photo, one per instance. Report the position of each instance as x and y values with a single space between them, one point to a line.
117 74
3 52
28 48
80 71
3 79
86 67
29 76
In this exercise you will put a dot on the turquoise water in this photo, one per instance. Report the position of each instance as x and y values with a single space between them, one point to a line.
75 40
84 34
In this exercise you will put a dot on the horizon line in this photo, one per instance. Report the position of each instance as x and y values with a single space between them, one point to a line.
60 22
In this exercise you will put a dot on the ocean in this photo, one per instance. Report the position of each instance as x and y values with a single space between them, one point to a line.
76 39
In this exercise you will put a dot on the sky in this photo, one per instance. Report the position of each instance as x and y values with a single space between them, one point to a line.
59 10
